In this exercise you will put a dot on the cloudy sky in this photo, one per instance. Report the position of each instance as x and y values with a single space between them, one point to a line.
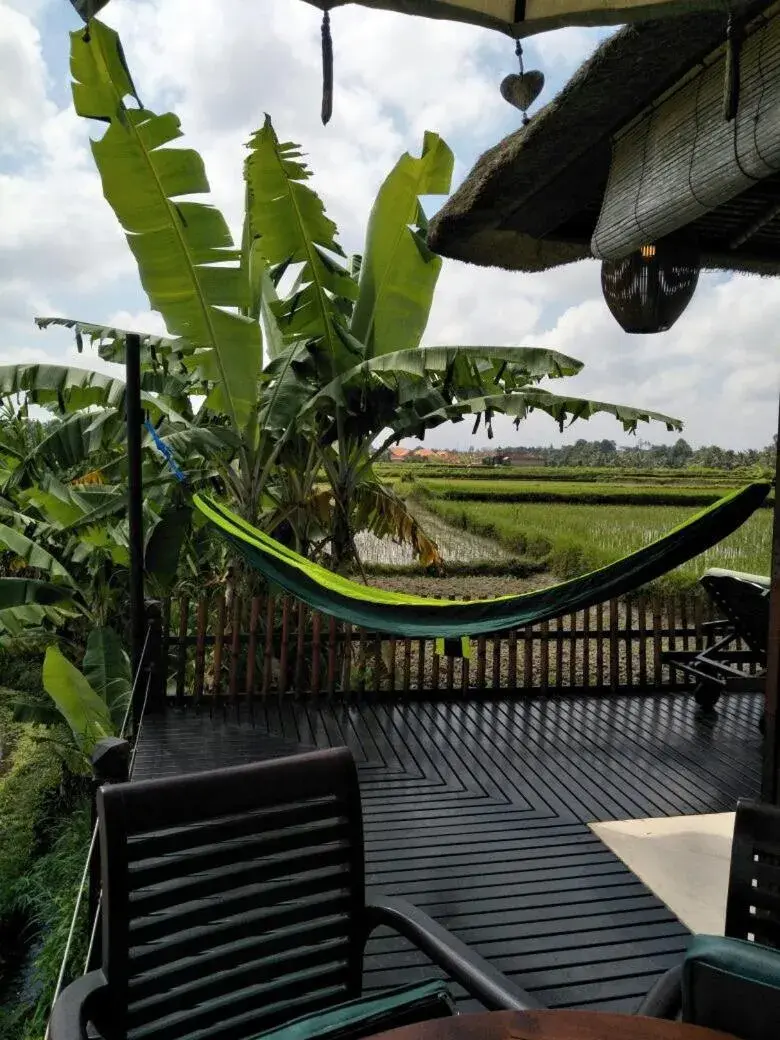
221 64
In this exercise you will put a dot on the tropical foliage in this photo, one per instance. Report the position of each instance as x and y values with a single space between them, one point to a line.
307 363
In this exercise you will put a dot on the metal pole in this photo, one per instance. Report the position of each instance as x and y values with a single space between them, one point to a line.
134 415
770 787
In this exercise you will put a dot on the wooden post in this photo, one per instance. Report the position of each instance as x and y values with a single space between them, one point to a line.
481 661
528 657
770 786
600 645
135 517
544 666
586 647
156 659
629 641
559 633
268 650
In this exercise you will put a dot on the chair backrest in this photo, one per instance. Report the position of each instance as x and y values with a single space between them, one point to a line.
744 600
753 903
232 900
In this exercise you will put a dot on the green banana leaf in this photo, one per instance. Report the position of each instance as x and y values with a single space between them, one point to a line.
86 714
184 251
289 226
32 554
399 272
107 670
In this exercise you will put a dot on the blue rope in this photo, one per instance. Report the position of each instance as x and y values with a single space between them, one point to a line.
166 452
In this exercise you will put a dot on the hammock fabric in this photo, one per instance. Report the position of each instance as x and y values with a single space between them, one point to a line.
400 615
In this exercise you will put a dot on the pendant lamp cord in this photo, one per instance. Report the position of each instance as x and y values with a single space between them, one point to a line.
519 53
327 68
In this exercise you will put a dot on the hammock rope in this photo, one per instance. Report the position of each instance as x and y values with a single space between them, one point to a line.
397 614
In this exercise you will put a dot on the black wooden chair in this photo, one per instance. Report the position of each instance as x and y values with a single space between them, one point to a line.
233 904
732 983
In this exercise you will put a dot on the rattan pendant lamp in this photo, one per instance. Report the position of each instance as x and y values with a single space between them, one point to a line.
648 290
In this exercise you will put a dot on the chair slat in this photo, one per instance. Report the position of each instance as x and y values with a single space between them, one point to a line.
226 880
231 975
330 881
202 858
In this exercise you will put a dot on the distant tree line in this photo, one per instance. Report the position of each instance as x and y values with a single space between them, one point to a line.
644 455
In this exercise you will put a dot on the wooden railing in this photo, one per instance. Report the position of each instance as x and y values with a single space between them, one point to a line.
225 649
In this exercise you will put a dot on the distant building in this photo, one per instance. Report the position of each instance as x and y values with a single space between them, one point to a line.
399 454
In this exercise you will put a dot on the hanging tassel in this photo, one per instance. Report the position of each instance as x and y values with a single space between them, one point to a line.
327 69
732 79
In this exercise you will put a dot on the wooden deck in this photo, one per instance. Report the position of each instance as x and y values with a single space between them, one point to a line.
478 811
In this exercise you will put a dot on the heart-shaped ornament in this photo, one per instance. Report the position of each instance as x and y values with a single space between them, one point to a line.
522 90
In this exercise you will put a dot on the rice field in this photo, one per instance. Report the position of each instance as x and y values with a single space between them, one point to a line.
572 537
619 490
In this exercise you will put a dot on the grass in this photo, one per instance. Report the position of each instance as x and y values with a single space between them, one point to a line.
44 824
561 491
573 538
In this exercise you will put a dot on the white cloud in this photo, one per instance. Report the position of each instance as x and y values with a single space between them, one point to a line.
221 67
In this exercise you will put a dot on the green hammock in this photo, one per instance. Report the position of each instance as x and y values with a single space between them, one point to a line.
401 615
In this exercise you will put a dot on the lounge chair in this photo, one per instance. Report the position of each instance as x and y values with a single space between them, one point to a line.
743 600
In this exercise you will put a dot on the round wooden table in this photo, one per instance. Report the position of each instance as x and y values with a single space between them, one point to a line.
551 1025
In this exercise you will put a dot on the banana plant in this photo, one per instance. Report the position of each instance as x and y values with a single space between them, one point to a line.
344 361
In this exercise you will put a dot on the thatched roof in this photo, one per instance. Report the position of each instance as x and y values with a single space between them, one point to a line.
532 201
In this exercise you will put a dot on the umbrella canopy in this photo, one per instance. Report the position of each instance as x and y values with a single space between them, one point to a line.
519 18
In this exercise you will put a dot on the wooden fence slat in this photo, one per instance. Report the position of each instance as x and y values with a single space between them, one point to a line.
421 664
511 672
450 672
630 632
600 645
407 678
377 677
235 648
573 650
362 661
268 651
559 636
544 635
332 637
316 652
391 652
671 624
684 621
528 657
698 622
346 659
284 646
614 646
657 625
200 647
181 656
300 648
435 663
251 653
586 647
465 674
642 623
166 638
219 644
481 661
497 669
